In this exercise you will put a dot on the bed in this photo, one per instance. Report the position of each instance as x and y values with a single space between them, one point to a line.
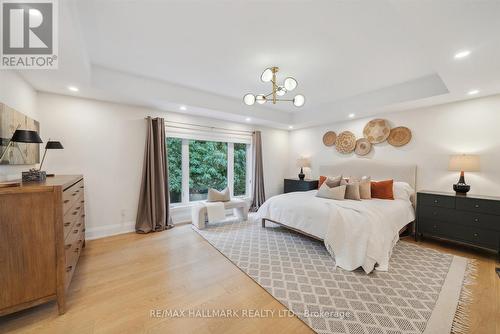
356 233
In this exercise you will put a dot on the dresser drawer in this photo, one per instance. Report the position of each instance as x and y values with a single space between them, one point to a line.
438 213
71 217
436 201
471 235
478 205
72 195
479 220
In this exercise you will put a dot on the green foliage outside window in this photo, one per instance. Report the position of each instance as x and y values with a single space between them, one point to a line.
240 169
174 150
207 167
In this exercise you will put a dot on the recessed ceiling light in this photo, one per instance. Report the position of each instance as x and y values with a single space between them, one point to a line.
473 92
351 115
73 88
290 127
183 108
248 119
462 54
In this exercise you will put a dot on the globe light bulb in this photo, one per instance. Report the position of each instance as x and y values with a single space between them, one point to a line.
267 75
299 100
249 99
261 99
290 84
281 91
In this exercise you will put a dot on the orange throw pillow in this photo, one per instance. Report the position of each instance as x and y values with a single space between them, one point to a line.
382 189
321 180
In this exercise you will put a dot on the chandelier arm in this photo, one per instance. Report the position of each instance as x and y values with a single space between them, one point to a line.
284 100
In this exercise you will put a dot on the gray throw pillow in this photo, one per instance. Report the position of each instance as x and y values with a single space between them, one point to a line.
333 181
218 196
325 191
351 190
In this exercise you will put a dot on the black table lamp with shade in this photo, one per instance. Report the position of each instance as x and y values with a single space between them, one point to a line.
463 163
51 145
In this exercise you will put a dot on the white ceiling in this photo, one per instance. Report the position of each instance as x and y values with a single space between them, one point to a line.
363 57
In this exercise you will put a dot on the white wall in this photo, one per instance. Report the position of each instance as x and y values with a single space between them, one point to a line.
105 142
472 126
17 94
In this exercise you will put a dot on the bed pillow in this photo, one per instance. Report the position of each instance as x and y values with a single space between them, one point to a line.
382 189
218 196
325 191
365 191
331 181
351 190
402 190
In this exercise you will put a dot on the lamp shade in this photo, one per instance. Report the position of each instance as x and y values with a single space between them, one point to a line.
303 162
26 136
54 145
464 162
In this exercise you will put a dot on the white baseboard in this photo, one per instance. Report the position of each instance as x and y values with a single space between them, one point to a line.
180 215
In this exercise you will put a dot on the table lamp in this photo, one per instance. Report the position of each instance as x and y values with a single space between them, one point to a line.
303 162
22 136
463 163
51 145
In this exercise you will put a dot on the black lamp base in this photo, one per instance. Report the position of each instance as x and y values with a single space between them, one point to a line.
301 174
461 188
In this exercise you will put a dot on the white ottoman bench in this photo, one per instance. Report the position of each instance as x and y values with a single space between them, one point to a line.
199 212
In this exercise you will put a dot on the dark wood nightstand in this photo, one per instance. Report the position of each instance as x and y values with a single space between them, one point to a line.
291 185
473 220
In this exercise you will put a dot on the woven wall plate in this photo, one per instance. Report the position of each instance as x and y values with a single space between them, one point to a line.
346 142
399 136
329 138
363 147
377 130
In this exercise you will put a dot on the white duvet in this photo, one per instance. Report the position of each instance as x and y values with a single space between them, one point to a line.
356 233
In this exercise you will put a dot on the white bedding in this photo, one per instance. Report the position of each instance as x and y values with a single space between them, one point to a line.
357 233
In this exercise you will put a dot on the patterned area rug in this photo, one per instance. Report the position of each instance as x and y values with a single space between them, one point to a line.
299 272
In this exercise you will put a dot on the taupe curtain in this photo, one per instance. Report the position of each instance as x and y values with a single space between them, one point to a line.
258 193
153 213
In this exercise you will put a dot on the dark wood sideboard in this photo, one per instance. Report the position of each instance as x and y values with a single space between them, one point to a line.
472 220
42 233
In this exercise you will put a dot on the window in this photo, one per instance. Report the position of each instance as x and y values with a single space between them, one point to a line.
240 169
174 148
195 165
207 168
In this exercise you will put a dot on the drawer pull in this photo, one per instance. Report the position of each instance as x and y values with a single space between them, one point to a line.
67 224
68 246
75 231
66 201
79 224
74 213
83 216
68 268
476 220
76 250
83 230
78 208
436 201
80 241
81 187
476 206
476 235
82 201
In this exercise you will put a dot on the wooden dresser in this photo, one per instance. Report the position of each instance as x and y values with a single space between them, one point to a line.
471 219
42 233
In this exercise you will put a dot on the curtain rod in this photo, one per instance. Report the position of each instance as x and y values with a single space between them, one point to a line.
203 126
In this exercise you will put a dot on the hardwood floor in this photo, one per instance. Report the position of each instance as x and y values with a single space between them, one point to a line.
120 279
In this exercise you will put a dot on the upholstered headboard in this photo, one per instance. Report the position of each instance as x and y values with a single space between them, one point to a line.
378 170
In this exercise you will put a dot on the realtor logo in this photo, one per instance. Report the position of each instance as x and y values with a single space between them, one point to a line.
29 34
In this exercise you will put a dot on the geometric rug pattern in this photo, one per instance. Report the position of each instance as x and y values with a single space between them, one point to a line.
300 273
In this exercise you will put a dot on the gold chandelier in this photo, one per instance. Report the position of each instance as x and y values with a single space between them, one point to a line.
289 84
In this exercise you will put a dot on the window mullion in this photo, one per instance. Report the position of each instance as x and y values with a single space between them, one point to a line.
185 171
230 167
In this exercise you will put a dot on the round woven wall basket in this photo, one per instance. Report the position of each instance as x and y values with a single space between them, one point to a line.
399 136
329 138
346 142
363 147
377 130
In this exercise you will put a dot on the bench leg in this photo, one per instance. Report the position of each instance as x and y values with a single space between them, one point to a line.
263 222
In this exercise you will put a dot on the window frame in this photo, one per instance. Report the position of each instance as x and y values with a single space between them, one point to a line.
230 140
